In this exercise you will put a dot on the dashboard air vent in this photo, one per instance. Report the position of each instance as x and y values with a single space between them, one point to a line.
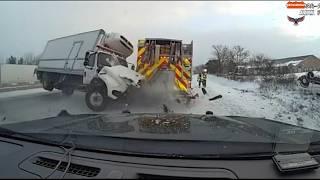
73 169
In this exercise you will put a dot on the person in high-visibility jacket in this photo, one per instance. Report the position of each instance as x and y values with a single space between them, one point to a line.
199 79
204 78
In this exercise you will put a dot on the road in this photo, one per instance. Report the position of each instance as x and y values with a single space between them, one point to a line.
25 105
242 99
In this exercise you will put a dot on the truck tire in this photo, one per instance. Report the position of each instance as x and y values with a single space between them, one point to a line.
47 85
304 81
96 99
68 91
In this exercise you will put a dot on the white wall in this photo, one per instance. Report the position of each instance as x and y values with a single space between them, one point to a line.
17 73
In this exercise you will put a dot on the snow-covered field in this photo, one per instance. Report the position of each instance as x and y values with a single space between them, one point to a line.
296 105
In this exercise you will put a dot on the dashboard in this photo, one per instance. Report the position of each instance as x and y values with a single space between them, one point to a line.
24 159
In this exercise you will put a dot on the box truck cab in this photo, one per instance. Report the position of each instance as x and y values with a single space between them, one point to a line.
94 62
107 76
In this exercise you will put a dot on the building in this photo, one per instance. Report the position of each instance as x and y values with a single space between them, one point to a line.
297 64
247 70
283 66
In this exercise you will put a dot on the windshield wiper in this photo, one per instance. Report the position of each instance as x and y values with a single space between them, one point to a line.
258 155
8 133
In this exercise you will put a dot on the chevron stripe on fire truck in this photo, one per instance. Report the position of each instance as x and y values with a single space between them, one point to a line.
140 55
149 71
181 79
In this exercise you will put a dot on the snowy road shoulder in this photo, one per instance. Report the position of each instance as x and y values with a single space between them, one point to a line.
246 99
237 99
19 93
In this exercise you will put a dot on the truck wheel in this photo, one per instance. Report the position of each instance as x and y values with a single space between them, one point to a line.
47 85
96 99
67 91
304 82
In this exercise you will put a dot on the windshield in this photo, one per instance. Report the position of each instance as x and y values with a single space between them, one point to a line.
170 134
123 61
240 72
107 60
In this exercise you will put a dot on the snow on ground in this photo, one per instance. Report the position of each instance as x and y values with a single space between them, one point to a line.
301 104
10 94
296 75
296 106
238 98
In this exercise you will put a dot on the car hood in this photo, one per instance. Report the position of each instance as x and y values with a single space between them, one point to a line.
184 127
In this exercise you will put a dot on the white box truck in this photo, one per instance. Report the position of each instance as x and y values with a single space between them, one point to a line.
94 62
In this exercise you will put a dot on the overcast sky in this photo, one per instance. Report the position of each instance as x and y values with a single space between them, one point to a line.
261 27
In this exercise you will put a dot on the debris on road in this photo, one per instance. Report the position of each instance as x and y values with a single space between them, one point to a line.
204 91
216 97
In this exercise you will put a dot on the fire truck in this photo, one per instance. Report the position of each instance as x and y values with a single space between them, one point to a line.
166 63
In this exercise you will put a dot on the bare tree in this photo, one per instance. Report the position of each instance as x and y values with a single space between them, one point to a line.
198 69
29 58
261 57
35 60
268 66
213 66
256 60
240 54
220 52
20 61
229 58
12 60
229 64
262 64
